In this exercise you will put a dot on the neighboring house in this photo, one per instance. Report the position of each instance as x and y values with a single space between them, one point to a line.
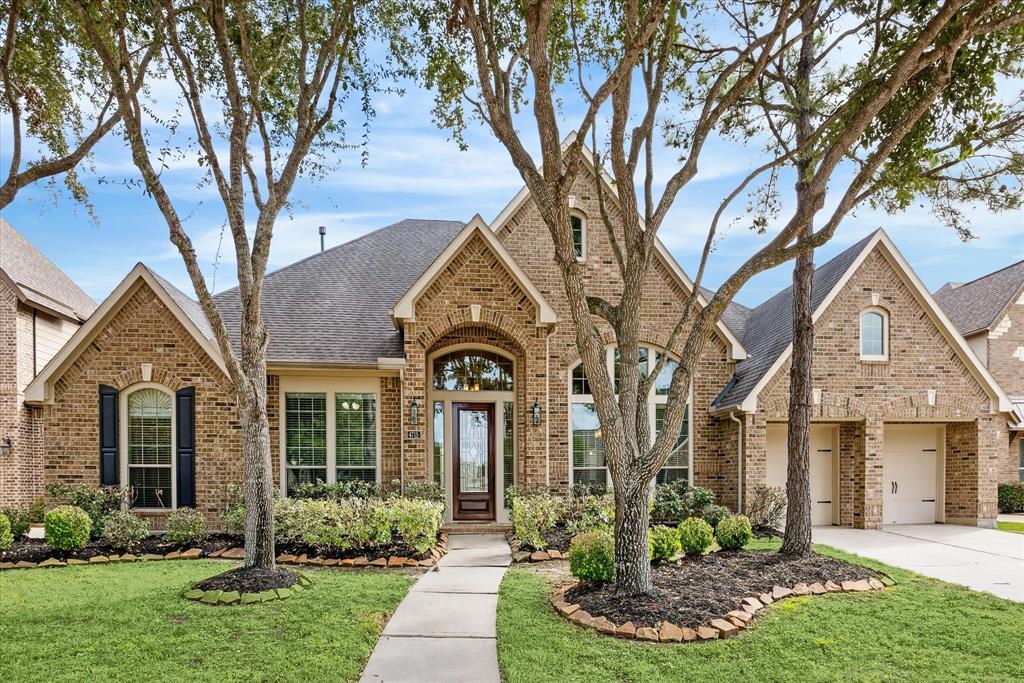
989 313
40 308
437 350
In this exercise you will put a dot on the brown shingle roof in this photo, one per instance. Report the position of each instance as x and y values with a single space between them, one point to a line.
973 306
39 282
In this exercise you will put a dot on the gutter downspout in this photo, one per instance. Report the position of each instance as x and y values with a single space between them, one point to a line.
547 409
401 429
739 460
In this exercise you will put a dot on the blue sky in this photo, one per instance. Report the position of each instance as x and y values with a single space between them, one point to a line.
415 171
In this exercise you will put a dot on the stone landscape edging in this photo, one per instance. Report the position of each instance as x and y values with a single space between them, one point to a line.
519 555
224 598
724 626
236 553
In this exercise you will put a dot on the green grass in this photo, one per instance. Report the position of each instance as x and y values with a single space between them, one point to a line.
1015 527
919 630
127 623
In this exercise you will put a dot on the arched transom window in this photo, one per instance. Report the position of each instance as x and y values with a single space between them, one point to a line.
587 449
472 370
874 334
150 447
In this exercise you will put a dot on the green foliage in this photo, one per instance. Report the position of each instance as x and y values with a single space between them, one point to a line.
124 530
533 515
97 501
588 511
426 490
664 542
733 532
417 521
713 514
6 537
19 518
669 503
697 499
186 525
233 515
36 510
338 490
592 556
695 535
1011 497
67 527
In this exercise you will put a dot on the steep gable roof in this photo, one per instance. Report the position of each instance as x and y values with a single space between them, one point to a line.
769 329
37 281
974 306
332 308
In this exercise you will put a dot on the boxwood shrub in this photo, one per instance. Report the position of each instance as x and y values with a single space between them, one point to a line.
592 556
6 537
733 532
533 515
664 543
695 535
1011 497
67 527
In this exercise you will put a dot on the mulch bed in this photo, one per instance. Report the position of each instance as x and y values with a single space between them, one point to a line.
245 580
381 551
693 592
36 550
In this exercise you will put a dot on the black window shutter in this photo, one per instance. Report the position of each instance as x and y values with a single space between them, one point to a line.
185 412
109 469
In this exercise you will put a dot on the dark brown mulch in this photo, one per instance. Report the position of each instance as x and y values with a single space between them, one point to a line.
36 550
693 592
381 551
249 580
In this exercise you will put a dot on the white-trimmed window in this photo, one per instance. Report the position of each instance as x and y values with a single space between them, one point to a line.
355 433
1020 460
874 334
149 447
578 225
305 419
587 448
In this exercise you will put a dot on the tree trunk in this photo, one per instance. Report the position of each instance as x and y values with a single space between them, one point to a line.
259 485
632 554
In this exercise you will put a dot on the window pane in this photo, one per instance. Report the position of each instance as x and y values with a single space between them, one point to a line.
664 381
508 446
872 334
151 486
439 442
577 235
304 476
149 428
473 443
587 447
580 383
355 436
472 371
641 363
678 464
305 430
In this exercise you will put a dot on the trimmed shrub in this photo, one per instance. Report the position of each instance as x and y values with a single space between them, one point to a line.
6 537
733 532
96 501
186 525
1011 497
695 535
124 530
426 490
417 521
587 512
592 556
534 515
19 519
67 527
766 509
664 542
697 499
340 490
713 514
669 503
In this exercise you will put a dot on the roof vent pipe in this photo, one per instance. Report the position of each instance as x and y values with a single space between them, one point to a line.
323 232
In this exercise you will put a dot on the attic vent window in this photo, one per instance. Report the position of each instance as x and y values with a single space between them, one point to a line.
579 229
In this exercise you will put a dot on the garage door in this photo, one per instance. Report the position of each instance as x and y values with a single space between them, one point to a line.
821 468
910 457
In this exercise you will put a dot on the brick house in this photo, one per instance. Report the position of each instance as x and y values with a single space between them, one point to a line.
989 313
440 350
40 308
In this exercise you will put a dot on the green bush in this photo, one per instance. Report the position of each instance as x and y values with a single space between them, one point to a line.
96 501
124 530
713 514
586 512
417 521
426 490
67 527
1011 497
669 503
234 514
733 532
19 519
534 515
186 525
696 499
592 556
337 491
664 542
695 535
6 537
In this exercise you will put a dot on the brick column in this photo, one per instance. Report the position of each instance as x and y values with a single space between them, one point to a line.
972 468
851 452
867 492
755 453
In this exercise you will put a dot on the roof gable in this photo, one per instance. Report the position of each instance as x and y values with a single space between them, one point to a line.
975 306
405 308
41 388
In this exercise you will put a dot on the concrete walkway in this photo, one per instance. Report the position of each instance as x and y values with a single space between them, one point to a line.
981 559
445 629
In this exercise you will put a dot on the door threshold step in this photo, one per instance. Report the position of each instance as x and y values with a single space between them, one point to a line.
477 527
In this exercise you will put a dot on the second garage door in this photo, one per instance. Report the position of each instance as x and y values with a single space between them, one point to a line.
909 474
821 468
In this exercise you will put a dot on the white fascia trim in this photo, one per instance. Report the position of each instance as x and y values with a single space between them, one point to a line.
41 388
1000 401
736 350
405 309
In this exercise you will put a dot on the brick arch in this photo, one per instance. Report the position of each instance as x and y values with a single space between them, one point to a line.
831 406
462 318
947 405
161 376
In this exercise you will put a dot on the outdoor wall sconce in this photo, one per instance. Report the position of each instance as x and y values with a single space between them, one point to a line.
6 446
536 413
414 412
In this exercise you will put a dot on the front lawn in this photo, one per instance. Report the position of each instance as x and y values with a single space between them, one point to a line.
921 629
127 622
1015 527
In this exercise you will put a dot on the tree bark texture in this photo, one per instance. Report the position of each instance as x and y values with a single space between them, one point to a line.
632 552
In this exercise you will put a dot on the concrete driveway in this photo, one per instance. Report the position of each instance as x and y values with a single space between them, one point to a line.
981 559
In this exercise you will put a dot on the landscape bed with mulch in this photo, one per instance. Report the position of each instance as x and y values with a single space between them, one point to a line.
245 580
692 592
37 550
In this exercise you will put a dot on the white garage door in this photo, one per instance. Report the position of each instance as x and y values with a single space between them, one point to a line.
821 467
910 457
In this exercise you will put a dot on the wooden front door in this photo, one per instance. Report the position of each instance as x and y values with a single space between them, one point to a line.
473 460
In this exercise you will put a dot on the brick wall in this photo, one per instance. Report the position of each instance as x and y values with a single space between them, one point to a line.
1005 357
